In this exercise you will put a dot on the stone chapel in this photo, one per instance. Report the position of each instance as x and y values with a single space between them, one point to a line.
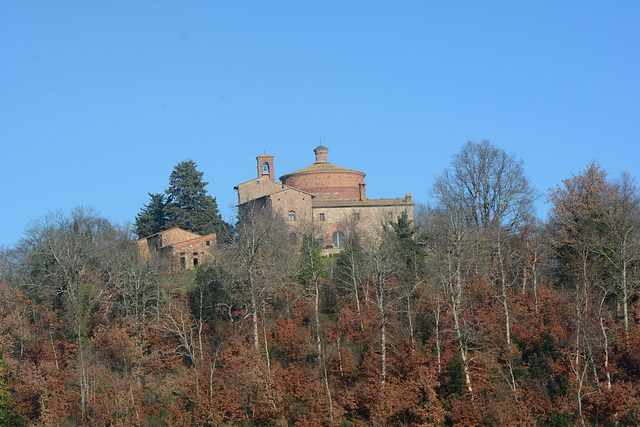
322 197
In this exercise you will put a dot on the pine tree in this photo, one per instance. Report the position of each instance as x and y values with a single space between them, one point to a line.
188 205
411 250
152 217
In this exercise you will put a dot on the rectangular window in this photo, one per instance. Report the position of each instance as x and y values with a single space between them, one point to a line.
321 217
195 262
356 216
390 216
195 254
208 242
183 262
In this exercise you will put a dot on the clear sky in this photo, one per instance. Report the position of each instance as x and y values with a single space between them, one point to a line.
100 100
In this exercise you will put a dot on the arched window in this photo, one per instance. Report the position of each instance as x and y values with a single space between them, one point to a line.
265 168
292 215
338 239
293 239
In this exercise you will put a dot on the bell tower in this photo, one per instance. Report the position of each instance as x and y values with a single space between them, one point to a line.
265 166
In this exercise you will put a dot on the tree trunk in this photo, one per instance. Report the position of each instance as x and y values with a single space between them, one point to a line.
437 331
456 296
503 285
254 314
625 304
411 333
356 292
605 344
463 349
534 273
383 346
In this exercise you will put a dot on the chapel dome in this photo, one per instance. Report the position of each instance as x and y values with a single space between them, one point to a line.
327 181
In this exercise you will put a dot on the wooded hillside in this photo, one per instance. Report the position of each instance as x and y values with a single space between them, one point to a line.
477 314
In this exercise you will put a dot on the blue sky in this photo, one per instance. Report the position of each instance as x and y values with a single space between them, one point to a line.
100 100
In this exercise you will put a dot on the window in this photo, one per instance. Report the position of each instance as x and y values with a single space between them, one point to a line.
321 217
356 216
183 262
293 239
208 242
195 262
390 216
338 239
265 168
320 242
292 216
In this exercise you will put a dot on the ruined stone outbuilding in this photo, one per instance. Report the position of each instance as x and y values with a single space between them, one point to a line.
181 248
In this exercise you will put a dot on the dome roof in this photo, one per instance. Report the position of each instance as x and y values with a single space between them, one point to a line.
321 165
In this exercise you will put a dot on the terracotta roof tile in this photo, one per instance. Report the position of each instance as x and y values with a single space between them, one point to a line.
353 203
321 167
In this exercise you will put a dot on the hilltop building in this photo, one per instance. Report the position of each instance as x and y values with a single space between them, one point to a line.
183 249
322 197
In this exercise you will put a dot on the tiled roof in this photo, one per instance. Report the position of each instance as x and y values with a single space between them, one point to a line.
265 180
285 188
167 232
316 203
321 167
279 190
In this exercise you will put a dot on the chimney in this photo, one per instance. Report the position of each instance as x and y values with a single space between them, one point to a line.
321 154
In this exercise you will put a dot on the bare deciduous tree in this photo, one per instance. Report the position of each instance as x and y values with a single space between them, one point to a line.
493 195
72 260
260 253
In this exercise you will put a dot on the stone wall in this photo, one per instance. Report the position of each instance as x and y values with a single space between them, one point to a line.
367 221
256 188
154 243
295 207
180 247
195 252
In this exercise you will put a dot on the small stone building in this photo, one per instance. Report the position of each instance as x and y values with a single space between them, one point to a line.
184 249
323 199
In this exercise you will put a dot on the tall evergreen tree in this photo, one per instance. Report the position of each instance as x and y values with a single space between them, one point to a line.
152 217
411 250
188 205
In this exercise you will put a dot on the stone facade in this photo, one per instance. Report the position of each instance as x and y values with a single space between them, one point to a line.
183 249
322 198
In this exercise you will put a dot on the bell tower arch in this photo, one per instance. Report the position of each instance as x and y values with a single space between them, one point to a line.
265 166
